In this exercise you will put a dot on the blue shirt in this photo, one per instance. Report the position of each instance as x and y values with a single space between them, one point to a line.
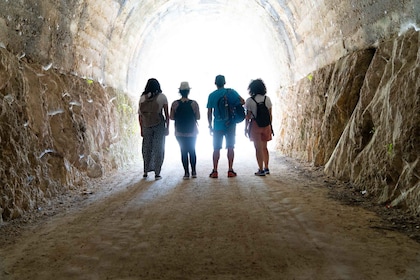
233 98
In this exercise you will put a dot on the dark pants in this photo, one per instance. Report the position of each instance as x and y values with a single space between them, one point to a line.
188 156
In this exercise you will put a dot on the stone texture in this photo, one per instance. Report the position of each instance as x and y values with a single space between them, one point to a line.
365 126
380 148
103 39
356 109
54 130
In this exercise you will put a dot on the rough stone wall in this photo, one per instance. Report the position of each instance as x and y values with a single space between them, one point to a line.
103 39
365 125
56 130
321 32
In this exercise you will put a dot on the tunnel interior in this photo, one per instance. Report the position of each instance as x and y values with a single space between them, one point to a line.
72 74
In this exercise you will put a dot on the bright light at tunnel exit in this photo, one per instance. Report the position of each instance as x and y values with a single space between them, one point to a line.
197 49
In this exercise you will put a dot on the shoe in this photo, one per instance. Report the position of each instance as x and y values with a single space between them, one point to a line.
231 174
158 177
194 174
186 176
267 171
260 173
214 174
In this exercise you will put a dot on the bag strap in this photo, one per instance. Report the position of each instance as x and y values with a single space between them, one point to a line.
253 98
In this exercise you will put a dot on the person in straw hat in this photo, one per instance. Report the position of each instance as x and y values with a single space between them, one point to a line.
185 112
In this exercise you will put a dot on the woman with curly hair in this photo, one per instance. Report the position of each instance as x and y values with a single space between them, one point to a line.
258 127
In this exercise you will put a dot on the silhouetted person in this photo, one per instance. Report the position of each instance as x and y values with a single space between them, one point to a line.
154 126
186 112
220 127
258 126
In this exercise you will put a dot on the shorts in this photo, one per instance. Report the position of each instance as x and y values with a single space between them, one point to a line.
229 134
260 133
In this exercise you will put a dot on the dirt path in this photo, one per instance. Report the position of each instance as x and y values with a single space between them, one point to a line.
283 226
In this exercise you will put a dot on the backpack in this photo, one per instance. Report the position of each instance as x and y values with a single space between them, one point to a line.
185 121
150 114
263 114
228 111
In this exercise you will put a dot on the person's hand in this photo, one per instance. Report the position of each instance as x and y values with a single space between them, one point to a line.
247 132
211 130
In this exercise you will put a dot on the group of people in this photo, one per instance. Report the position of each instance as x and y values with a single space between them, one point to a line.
154 118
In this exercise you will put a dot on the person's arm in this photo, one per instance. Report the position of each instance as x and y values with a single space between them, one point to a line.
197 111
140 120
210 119
166 112
247 122
172 113
271 121
241 100
141 126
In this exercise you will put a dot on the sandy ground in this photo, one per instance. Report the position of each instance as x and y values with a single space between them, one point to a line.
287 225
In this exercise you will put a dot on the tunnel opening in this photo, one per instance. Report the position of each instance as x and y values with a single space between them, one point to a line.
195 42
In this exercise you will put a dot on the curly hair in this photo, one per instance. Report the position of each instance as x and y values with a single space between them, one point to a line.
257 87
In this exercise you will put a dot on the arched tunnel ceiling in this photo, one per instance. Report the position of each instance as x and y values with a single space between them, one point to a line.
292 37
121 43
199 39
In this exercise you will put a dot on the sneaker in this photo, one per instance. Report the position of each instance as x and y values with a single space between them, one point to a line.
186 176
158 177
231 174
194 174
260 173
214 174
267 171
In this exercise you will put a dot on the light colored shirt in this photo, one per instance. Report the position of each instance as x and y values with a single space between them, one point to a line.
251 106
161 100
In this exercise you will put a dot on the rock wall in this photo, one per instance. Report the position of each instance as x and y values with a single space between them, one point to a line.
360 117
55 131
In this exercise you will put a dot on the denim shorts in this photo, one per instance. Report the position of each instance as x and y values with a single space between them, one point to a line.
229 135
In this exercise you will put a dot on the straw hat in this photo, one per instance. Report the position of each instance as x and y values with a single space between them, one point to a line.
184 86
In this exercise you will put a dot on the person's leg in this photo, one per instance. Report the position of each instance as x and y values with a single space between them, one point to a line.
266 136
230 157
230 145
146 149
266 155
259 153
256 136
183 144
217 145
193 156
159 148
216 157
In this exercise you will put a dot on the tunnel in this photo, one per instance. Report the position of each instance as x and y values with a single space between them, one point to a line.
343 76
